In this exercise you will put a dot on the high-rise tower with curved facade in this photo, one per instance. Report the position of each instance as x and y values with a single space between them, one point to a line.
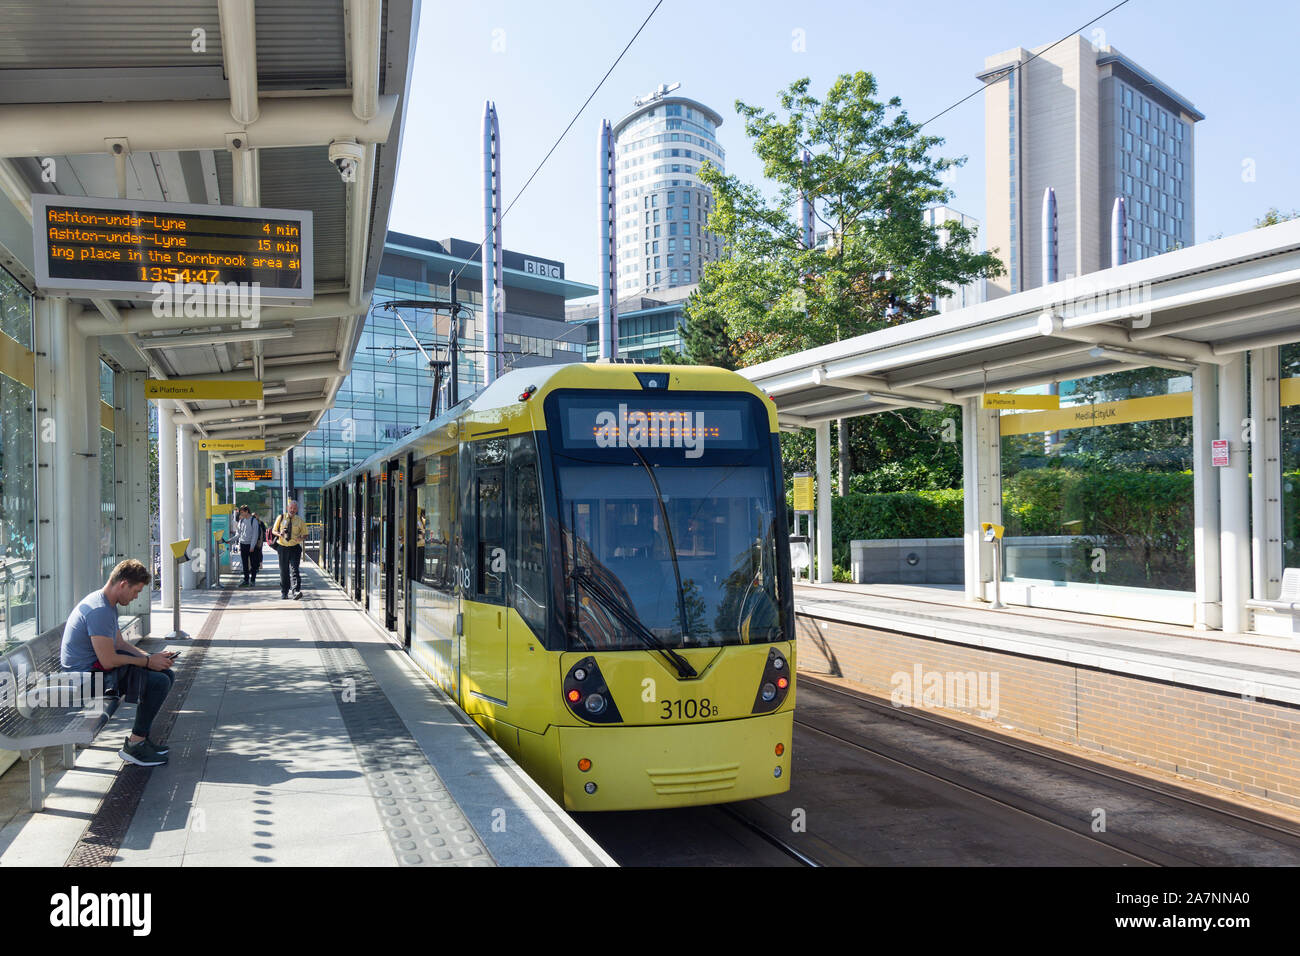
663 207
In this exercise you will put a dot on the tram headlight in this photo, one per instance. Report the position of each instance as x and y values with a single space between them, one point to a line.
587 696
774 684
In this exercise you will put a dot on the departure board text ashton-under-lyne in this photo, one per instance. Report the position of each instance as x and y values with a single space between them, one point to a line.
129 246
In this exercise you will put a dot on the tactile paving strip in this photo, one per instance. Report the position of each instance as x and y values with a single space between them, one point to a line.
423 822
103 835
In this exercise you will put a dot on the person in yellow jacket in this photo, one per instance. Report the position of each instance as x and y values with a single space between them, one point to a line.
290 532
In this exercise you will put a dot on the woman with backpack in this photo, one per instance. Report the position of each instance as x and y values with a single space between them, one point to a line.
251 534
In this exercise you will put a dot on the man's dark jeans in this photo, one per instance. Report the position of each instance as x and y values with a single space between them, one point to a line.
155 692
289 560
160 684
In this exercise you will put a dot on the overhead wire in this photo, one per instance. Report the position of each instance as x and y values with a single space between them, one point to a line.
556 144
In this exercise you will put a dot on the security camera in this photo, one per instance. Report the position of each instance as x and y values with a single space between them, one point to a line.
346 156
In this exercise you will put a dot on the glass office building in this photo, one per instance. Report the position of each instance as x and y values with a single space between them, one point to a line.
390 388
646 326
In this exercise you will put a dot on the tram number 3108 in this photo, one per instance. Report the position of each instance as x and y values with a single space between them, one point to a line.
688 709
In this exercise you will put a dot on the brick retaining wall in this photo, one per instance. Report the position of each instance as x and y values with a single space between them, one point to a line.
1252 746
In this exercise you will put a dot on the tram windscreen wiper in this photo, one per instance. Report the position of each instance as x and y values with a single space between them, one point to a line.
629 620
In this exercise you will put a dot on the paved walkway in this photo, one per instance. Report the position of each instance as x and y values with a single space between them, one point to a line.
1256 665
305 737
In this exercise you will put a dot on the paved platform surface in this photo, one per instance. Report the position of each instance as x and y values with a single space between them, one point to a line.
1251 664
305 737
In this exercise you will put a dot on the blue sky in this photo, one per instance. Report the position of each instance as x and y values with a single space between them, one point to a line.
1236 63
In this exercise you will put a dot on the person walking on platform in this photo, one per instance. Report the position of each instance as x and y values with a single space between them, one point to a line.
251 536
290 532
92 642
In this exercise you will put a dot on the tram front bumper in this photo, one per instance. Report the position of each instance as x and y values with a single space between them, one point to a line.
676 765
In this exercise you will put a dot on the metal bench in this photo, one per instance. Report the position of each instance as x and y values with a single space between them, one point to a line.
1288 601
43 706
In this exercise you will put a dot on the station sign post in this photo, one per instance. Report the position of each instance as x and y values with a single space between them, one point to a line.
993 535
800 542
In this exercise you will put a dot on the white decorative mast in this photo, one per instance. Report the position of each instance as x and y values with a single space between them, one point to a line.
493 305
1050 245
608 258
1118 229
807 206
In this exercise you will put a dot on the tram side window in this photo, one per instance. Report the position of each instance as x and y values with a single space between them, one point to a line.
375 545
528 551
435 526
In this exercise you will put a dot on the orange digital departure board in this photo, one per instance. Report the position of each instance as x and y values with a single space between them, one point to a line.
250 474
127 247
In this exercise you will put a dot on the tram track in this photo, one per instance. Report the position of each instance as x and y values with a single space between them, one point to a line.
1205 802
1167 807
763 834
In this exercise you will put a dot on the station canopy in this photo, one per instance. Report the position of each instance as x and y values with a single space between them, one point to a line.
205 104
1195 306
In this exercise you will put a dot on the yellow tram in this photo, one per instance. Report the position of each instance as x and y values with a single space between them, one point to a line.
591 561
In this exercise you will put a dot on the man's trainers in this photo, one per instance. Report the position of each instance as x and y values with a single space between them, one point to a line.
158 748
141 754
297 595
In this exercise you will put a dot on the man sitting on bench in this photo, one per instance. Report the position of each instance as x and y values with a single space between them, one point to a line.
92 642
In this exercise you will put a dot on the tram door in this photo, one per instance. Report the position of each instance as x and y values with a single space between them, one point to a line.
403 514
483 491
395 551
358 535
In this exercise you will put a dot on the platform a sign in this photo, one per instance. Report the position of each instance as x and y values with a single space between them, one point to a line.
202 389
232 444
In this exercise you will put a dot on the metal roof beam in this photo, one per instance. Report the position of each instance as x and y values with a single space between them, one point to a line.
1215 319
1039 378
216 338
1050 324
862 383
364 35
239 52
295 407
333 306
1045 355
72 129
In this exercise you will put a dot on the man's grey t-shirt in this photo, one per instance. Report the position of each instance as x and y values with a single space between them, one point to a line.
94 615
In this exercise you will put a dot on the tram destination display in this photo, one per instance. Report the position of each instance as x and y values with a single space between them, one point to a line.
128 247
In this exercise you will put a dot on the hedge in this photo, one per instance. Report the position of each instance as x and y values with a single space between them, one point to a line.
1143 519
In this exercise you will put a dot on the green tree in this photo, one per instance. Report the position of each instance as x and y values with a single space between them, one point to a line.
870 177
1275 215
705 340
